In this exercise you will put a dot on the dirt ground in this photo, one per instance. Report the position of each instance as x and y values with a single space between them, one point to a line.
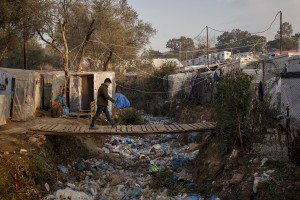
14 137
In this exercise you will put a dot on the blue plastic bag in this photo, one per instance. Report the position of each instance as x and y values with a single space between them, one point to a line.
121 101
193 197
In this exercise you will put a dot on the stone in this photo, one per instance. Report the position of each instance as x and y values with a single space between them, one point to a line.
33 139
234 155
255 161
114 179
193 146
236 178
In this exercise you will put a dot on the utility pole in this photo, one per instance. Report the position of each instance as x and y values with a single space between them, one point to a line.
263 73
207 46
280 44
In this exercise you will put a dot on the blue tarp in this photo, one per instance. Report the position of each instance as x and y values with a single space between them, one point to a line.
121 101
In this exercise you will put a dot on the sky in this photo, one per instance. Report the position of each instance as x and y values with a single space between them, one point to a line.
176 18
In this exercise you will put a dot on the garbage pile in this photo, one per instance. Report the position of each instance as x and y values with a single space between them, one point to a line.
138 159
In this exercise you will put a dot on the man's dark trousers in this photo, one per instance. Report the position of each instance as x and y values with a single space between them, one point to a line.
99 111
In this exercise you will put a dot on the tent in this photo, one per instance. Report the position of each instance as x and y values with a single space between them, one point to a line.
25 93
84 88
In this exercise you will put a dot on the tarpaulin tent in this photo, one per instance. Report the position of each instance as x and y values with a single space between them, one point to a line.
84 88
26 93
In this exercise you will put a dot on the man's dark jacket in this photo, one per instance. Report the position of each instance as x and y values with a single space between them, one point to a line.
103 97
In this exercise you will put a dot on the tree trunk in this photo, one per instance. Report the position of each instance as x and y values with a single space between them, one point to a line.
66 62
105 64
87 38
240 133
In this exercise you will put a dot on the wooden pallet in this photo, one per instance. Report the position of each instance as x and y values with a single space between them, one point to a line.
78 115
65 129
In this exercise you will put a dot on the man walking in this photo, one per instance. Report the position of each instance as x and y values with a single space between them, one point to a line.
102 102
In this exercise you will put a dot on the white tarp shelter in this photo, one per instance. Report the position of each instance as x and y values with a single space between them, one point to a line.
25 93
51 82
179 83
84 88
286 91
6 89
2 109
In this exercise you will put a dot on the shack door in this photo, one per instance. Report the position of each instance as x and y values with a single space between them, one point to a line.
87 92
46 92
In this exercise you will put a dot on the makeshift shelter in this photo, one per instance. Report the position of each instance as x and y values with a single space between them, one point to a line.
285 91
25 93
51 82
84 88
6 89
2 109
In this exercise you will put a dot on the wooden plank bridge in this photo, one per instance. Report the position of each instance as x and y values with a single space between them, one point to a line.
66 129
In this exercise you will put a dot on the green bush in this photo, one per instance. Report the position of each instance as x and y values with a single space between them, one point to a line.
232 102
129 116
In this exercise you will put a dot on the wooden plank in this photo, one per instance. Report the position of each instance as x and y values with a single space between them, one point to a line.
84 128
105 129
173 128
58 128
45 128
52 127
72 128
200 126
37 127
154 128
113 129
206 125
124 129
178 127
194 126
168 128
184 128
148 129
77 128
67 129
191 127
143 127
136 129
162 128
187 127
211 125
129 129
118 128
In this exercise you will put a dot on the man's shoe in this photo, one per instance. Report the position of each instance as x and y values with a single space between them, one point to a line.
114 125
93 127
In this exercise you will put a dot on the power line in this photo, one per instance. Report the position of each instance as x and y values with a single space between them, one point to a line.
138 68
199 33
250 33
152 92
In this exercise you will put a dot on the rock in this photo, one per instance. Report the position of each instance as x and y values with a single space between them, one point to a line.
234 155
23 151
184 175
33 139
114 179
263 161
80 166
193 146
255 161
236 178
